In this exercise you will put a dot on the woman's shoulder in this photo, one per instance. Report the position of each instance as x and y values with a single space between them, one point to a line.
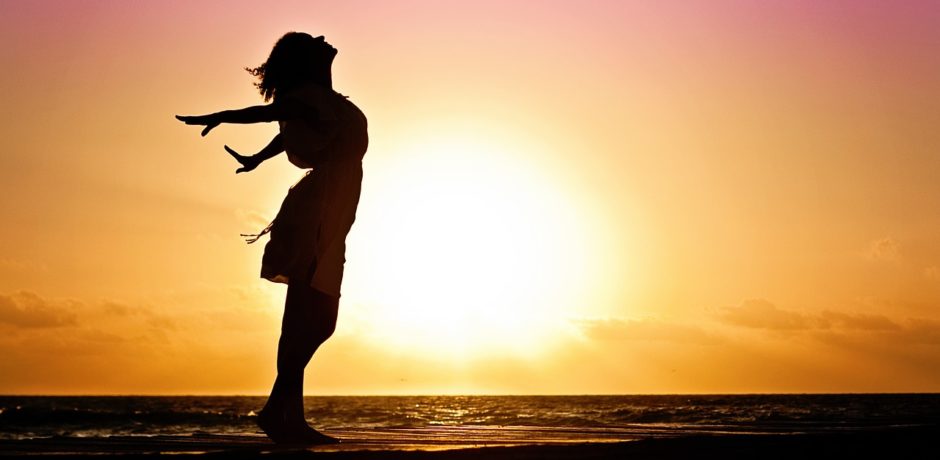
311 92
324 100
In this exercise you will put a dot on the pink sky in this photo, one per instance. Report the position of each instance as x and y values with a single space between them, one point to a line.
714 196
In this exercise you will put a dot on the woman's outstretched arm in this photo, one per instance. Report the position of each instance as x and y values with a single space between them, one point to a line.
285 110
273 149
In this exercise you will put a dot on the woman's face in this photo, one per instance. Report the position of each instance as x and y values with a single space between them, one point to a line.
324 49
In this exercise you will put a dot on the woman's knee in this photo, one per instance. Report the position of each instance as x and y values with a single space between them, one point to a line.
325 309
310 315
323 333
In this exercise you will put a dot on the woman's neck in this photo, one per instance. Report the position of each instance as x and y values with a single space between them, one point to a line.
325 78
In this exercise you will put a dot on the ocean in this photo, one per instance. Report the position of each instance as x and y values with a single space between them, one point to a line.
626 416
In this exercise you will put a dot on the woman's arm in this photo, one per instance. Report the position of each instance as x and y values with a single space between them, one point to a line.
288 109
273 149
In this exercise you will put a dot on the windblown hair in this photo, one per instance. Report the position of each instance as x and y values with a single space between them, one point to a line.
296 58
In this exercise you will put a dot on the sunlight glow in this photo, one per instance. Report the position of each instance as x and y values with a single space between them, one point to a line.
473 250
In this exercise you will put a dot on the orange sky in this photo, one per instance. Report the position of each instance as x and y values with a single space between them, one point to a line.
560 197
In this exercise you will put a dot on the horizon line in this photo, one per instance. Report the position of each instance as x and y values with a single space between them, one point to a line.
404 395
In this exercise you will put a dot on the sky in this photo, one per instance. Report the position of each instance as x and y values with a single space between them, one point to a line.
559 197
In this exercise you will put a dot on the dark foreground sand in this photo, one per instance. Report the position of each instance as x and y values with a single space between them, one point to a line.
886 443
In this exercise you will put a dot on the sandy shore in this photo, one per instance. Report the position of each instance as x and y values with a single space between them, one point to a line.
901 442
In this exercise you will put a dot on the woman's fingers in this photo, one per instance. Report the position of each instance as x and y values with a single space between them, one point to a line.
233 153
247 162
205 120
192 119
209 128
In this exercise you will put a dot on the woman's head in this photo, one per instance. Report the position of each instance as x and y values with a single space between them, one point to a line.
296 58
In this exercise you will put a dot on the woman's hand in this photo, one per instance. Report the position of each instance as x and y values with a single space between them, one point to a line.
248 162
209 121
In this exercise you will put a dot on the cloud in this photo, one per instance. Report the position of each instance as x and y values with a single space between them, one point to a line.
861 322
106 345
884 249
644 330
151 317
834 326
28 310
900 308
761 314
923 331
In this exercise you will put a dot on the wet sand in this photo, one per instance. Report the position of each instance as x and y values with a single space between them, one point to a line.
461 443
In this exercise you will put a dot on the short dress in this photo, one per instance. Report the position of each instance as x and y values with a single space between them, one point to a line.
308 235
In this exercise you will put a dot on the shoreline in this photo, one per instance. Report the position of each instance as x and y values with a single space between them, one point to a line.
892 442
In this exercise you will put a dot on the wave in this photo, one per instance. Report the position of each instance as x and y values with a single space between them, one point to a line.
102 416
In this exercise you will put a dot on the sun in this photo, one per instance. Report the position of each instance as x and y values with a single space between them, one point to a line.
468 250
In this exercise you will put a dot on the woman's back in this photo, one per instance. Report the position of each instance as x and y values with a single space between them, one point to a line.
339 133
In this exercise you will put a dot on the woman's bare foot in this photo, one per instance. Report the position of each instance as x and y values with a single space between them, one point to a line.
277 427
312 436
274 426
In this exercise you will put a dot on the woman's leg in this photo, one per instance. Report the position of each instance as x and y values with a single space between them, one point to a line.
309 320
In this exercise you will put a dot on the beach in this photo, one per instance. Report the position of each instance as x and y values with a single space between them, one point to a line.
468 427
908 442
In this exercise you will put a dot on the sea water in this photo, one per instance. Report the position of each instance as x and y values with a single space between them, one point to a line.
640 415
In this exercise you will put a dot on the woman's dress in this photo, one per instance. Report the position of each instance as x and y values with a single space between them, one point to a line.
308 235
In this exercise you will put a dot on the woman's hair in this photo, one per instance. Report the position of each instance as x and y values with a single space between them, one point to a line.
296 58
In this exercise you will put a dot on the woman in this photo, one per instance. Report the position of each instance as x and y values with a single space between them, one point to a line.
322 131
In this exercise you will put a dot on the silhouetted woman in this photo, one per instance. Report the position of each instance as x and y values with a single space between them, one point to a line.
325 133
